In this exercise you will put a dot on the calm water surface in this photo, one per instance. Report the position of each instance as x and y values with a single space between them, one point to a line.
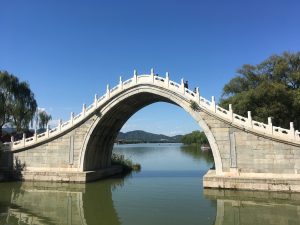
168 190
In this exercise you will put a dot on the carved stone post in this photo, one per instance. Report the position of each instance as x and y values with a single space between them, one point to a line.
249 119
167 80
270 125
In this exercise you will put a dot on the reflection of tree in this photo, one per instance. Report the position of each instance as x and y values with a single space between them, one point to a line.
196 153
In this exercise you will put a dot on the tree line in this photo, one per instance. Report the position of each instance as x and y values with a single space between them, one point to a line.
196 137
18 107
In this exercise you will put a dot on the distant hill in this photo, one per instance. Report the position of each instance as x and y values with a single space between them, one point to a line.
139 136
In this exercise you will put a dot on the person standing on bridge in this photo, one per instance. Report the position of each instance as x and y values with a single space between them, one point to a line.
186 84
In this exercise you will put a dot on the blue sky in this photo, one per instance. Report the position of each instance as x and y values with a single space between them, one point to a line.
70 50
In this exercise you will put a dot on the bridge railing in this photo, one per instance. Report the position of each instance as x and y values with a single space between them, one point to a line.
165 82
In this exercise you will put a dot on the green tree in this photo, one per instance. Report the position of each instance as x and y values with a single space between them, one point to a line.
17 102
7 90
2 113
24 107
44 119
269 89
1 149
196 137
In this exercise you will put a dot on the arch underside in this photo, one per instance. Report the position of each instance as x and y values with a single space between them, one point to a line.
100 144
97 150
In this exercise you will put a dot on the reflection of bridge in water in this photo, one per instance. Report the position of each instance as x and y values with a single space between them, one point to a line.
48 203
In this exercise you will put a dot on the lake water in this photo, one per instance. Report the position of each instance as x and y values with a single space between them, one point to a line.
168 190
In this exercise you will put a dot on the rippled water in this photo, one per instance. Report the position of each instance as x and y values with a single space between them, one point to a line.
168 190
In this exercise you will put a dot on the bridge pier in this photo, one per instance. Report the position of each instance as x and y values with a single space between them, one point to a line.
69 176
252 181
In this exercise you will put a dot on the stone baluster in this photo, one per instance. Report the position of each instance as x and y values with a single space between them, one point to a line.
107 91
35 135
83 110
48 131
152 74
270 125
167 80
198 95
12 141
59 124
182 86
249 119
230 112
95 101
296 134
121 83
213 103
134 77
23 139
72 118
292 131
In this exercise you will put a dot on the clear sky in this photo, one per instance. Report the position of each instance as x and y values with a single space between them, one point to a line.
70 50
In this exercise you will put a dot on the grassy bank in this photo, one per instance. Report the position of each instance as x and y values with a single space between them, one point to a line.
127 164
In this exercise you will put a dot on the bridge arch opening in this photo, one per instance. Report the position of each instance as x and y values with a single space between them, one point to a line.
99 141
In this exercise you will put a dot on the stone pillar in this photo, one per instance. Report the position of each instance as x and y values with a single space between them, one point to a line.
167 80
23 139
198 95
96 101
134 77
270 125
230 112
107 91
121 83
292 131
83 110
72 118
182 86
249 119
152 75
213 104
47 131
35 135
59 124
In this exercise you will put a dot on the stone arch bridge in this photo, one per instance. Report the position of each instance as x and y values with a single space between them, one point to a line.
248 154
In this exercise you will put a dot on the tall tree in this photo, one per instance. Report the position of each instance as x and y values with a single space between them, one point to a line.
24 107
269 89
44 119
8 86
17 102
2 112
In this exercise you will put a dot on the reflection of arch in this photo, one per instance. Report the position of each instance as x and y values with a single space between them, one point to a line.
93 204
98 142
